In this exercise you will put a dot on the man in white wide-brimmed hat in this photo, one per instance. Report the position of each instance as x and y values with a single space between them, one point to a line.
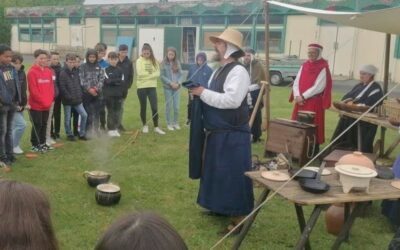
224 189
367 92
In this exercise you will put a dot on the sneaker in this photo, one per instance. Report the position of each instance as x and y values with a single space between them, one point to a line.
50 141
112 133
36 149
47 147
145 129
159 131
71 138
170 127
83 138
17 150
177 127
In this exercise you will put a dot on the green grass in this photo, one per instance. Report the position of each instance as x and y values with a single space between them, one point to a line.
152 174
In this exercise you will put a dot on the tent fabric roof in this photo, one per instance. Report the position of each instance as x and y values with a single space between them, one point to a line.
379 20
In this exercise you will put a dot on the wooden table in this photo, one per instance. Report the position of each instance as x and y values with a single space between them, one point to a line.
376 120
292 192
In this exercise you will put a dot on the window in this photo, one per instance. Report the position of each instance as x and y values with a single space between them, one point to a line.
189 20
109 20
397 48
273 19
109 36
275 41
36 20
23 20
36 35
48 20
127 32
166 20
246 38
146 20
207 44
76 20
240 19
126 20
24 35
48 35
213 17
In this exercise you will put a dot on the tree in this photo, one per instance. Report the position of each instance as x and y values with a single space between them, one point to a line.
5 28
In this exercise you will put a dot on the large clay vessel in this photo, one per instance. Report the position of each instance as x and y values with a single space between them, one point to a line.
356 158
334 218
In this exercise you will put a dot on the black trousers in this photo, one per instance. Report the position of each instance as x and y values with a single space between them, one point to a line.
114 106
102 113
56 119
75 120
143 95
92 107
6 138
39 125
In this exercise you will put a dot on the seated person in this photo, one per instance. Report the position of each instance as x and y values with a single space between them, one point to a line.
141 231
25 221
367 92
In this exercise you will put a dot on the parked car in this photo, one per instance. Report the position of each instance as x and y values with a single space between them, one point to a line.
283 69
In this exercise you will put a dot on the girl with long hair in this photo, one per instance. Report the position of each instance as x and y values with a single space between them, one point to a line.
171 74
148 73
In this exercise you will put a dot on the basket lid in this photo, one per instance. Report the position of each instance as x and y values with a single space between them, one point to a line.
356 171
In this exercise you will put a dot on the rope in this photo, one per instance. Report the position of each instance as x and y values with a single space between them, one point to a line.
307 164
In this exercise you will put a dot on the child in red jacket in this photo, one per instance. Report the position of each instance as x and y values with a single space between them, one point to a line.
41 96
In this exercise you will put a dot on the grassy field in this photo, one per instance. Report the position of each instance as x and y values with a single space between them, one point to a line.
152 174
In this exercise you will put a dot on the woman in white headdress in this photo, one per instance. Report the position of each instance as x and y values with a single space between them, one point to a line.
367 92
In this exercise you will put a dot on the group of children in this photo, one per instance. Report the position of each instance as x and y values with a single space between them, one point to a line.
84 90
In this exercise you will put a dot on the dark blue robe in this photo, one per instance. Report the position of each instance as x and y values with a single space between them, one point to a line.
224 188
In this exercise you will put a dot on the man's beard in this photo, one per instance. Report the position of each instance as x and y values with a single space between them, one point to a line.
216 57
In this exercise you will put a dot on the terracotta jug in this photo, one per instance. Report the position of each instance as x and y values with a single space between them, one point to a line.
356 158
334 218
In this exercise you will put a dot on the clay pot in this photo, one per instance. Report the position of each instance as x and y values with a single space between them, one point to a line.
356 158
334 218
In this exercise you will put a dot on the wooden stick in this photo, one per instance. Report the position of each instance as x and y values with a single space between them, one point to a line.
259 98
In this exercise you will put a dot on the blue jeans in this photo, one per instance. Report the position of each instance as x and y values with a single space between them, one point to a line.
18 128
67 119
171 100
6 140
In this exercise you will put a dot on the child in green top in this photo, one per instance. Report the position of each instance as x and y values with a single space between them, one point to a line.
148 73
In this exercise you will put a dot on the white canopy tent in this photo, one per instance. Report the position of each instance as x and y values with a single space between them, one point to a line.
379 20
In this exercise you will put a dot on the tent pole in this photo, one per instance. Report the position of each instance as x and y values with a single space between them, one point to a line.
385 89
266 49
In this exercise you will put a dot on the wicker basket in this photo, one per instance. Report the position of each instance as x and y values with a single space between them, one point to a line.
392 109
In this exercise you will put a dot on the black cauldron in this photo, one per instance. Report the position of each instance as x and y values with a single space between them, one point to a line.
95 178
107 194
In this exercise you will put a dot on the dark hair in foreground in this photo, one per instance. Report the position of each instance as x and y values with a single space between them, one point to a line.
4 48
25 221
112 55
141 231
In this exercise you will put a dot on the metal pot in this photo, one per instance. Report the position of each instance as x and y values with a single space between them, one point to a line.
107 194
96 177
